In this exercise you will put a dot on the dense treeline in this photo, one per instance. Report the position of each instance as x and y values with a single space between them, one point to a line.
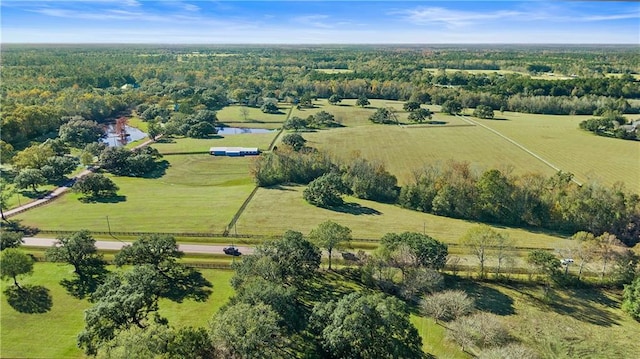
358 177
532 200
612 125
41 87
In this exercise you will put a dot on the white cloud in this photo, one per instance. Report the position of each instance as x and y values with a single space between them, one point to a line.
191 7
536 11
314 20
453 18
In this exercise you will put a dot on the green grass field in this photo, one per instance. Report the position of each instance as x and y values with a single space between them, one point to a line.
53 334
404 150
233 116
367 219
198 193
559 140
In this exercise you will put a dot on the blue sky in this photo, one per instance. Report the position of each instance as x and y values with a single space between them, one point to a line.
319 22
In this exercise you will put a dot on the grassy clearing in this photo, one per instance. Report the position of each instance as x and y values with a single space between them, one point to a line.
198 193
55 332
185 145
559 140
366 219
233 116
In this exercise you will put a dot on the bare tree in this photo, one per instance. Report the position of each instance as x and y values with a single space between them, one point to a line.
245 113
608 244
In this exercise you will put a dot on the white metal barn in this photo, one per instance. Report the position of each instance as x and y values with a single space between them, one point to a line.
234 151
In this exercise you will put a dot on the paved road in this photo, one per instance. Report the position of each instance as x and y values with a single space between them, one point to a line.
117 245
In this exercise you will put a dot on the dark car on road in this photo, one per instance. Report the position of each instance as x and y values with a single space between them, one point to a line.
232 251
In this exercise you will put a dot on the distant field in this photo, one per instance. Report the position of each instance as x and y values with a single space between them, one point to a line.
541 76
198 193
334 71
348 114
367 220
55 332
559 140
233 116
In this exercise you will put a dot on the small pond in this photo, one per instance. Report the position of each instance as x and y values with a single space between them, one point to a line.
238 130
114 139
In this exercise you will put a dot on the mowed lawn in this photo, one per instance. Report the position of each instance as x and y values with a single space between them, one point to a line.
233 116
198 193
53 334
367 219
559 140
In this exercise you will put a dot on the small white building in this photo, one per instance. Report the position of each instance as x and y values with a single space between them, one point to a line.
234 151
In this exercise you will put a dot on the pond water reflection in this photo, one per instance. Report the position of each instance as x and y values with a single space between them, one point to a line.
114 139
238 130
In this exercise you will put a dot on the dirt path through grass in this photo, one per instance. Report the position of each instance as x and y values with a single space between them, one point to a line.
467 119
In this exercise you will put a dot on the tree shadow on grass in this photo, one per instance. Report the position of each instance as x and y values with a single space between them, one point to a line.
110 199
31 194
165 139
585 305
29 299
15 225
159 171
355 209
486 299
323 288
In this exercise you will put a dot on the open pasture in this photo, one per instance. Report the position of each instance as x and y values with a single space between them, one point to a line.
559 140
53 334
198 193
404 150
350 115
234 116
367 219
